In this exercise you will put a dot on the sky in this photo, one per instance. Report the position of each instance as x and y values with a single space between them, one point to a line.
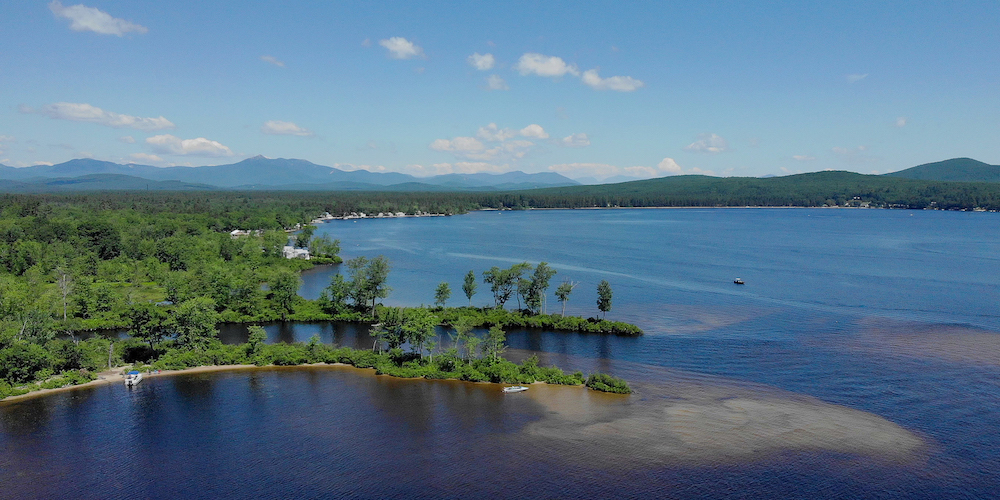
590 90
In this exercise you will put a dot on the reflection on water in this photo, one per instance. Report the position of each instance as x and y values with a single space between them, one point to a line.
336 431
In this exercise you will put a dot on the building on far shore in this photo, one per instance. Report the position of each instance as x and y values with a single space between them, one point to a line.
291 252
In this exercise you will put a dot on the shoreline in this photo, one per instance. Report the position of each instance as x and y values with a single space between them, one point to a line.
116 376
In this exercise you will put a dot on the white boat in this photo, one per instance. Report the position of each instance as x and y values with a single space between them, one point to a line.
133 377
515 388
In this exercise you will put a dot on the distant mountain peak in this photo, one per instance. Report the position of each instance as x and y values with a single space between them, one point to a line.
259 157
955 169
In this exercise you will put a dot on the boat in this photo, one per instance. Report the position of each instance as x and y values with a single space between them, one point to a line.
738 281
133 378
514 388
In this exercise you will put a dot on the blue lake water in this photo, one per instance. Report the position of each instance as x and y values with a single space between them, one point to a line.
846 316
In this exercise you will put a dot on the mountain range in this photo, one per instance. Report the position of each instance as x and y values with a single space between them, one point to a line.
260 173
257 173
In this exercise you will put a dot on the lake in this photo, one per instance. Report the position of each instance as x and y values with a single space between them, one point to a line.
859 360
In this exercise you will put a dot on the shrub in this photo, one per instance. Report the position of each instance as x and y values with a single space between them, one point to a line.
607 383
21 362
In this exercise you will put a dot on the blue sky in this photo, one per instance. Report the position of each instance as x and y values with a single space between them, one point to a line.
586 89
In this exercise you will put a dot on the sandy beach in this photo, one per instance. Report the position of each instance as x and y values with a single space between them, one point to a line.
117 376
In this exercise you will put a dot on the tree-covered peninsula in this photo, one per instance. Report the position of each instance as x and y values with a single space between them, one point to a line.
168 268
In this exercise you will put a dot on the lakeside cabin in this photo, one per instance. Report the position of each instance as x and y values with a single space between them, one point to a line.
291 252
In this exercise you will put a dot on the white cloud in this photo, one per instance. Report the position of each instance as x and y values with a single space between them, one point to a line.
401 48
547 66
81 112
128 139
90 19
494 134
278 127
575 141
708 143
367 42
7 138
602 171
273 60
458 145
168 144
901 121
669 166
144 157
854 78
494 82
803 157
473 148
535 131
40 163
481 62
616 83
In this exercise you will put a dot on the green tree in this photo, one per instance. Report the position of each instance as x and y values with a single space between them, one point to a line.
324 246
604 297
431 346
442 293
388 329
495 344
255 340
147 323
194 322
472 346
463 331
539 284
368 280
22 361
305 234
284 290
36 326
377 278
418 327
469 286
333 298
503 282
562 293
274 243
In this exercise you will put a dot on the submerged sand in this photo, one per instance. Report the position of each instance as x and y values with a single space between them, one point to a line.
961 344
685 420
689 422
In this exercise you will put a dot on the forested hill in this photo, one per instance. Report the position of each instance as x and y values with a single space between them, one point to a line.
801 190
955 169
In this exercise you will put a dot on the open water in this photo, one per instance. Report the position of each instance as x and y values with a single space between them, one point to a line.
860 360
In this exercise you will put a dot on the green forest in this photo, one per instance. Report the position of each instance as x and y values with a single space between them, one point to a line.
165 268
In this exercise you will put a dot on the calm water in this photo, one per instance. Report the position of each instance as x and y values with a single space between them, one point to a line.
851 321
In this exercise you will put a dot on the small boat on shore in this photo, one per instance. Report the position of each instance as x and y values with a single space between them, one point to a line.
133 377
738 281
514 388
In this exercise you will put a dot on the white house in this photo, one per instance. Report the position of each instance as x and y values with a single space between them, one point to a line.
295 253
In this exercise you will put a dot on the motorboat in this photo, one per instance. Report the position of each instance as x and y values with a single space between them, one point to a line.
133 377
514 388
738 281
